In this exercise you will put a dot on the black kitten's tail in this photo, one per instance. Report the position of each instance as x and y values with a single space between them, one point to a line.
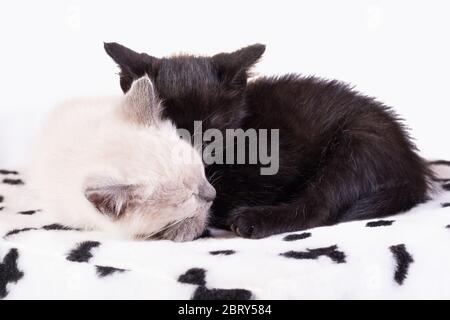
385 202
398 197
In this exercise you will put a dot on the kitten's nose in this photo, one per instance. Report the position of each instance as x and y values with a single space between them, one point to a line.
207 192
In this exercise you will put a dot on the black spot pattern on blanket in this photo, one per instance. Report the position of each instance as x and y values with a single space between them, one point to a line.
203 293
50 227
197 276
441 180
445 204
7 172
16 231
82 253
330 252
28 212
1 199
440 162
1 208
379 223
403 260
59 227
297 236
103 271
13 181
193 276
9 272
446 186
222 252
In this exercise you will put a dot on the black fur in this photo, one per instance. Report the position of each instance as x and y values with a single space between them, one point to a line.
206 234
1 199
445 204
343 155
82 253
403 260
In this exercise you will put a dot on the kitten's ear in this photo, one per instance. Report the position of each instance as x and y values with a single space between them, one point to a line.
111 199
132 64
233 67
142 105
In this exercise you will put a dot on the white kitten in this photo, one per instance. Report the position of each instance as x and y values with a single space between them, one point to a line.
114 165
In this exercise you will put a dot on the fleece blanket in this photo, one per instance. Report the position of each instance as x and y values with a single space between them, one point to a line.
406 256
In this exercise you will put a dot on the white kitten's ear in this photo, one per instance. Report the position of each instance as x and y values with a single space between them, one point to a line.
113 200
142 104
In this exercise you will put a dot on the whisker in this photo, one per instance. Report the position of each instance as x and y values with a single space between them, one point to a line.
170 225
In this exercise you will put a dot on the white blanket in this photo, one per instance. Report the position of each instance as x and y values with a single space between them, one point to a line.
403 256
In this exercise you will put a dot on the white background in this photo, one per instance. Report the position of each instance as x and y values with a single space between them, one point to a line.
398 51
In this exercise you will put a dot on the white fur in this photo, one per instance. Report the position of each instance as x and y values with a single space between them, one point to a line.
94 142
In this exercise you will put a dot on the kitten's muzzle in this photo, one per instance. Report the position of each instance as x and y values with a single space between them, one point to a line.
206 192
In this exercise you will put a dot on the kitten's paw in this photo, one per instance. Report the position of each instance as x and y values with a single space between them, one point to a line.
246 222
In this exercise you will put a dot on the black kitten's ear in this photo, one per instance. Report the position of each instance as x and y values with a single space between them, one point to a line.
111 199
234 66
132 65
246 57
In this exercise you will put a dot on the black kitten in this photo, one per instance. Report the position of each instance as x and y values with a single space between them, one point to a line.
343 156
